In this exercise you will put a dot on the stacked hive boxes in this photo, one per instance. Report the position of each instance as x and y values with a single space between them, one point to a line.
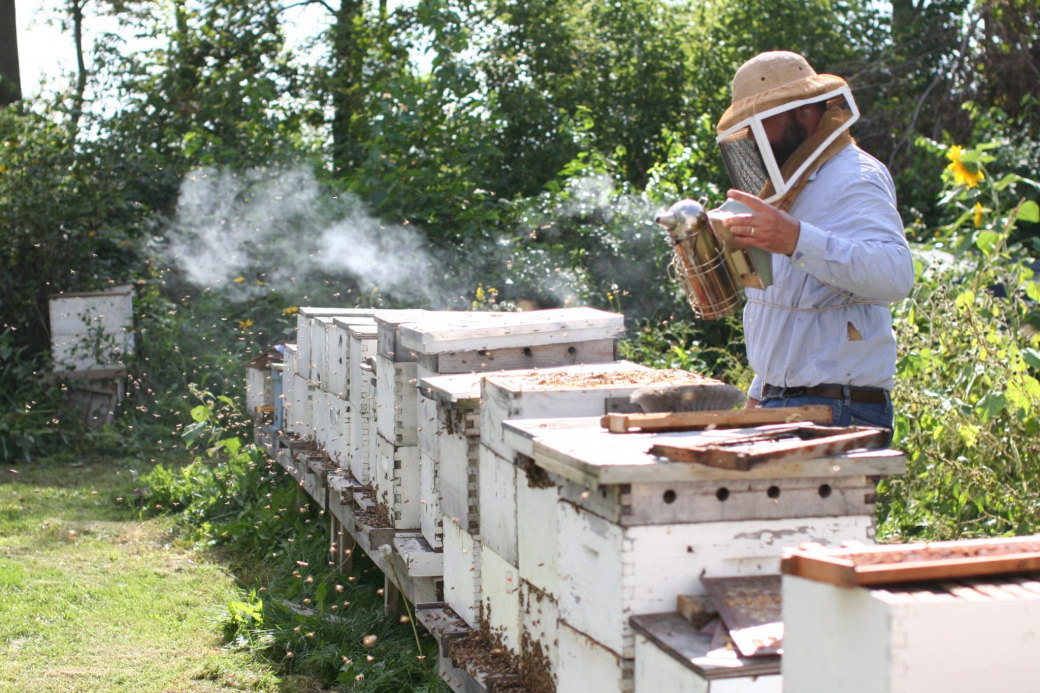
548 532
520 554
635 531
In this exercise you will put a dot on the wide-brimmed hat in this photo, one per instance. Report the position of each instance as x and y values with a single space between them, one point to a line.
773 79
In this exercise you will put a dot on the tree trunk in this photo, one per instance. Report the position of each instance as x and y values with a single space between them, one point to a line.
10 76
349 49
76 12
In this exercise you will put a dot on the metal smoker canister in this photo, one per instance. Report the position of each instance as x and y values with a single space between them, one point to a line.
699 261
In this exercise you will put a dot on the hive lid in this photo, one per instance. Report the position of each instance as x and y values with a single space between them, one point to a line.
472 331
317 311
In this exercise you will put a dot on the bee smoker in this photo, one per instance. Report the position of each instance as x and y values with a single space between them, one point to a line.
709 269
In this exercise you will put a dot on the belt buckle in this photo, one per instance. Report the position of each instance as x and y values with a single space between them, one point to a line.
794 391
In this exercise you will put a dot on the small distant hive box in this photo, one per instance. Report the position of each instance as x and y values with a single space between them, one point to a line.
93 329
957 617
261 386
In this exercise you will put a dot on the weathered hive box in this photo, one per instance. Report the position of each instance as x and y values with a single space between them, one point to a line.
336 380
483 342
361 447
448 430
461 344
396 472
517 500
636 531
946 616
92 329
259 387
289 388
311 353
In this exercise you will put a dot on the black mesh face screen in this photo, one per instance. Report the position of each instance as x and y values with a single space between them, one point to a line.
744 162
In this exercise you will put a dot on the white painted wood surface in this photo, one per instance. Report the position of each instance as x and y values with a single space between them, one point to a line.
419 557
461 571
319 345
656 671
302 407
91 329
497 480
856 640
466 331
361 446
539 629
580 450
609 573
259 390
397 482
587 666
500 597
396 400
337 358
430 515
537 534
338 435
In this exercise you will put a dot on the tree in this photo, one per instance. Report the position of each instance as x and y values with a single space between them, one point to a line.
10 75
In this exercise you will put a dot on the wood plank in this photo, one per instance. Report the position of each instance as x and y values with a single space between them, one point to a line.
935 561
758 448
580 450
686 421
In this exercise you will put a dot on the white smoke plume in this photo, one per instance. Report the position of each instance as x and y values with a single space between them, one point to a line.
282 226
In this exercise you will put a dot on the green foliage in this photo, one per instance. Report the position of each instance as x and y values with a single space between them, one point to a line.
967 396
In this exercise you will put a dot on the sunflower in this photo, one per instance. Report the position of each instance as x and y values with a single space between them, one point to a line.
962 175
978 214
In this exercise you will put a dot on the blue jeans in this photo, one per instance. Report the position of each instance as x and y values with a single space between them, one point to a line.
845 411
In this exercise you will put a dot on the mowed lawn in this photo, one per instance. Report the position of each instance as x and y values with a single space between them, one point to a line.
93 598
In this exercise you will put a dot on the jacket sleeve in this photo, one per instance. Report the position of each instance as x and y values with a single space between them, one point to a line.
865 253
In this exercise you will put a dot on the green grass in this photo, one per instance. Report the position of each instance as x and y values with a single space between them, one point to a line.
94 598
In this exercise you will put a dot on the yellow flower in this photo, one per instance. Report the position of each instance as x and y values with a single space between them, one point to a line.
978 214
245 324
291 310
480 293
962 175
239 280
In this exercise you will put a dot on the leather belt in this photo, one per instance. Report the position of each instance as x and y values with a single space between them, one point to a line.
862 395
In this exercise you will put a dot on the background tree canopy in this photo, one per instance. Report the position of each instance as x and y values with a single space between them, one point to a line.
445 153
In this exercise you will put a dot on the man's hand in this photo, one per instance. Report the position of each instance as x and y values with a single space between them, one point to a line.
766 227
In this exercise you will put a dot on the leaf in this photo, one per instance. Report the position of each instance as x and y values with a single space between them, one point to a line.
230 445
200 413
1007 180
1033 290
1032 357
987 242
970 435
991 405
965 299
1029 211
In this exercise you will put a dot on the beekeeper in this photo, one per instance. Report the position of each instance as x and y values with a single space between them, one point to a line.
822 332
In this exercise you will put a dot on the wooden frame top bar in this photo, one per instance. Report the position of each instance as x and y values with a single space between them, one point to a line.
580 450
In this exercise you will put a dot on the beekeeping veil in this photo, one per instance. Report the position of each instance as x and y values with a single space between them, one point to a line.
769 84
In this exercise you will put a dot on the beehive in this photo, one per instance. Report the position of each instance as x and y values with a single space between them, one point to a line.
957 616
92 329
635 531
362 343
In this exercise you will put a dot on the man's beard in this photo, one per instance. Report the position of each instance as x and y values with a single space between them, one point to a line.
793 136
